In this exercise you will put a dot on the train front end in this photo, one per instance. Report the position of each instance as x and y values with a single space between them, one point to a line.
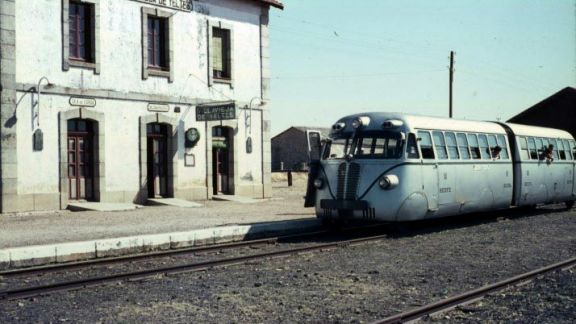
362 174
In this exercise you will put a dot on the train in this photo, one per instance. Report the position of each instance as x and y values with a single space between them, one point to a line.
394 167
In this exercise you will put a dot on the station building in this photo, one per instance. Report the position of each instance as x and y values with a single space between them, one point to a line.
126 100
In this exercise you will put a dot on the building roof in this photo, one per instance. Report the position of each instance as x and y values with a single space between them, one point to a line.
563 99
273 3
323 130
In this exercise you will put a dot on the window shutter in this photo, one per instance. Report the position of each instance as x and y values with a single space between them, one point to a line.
217 46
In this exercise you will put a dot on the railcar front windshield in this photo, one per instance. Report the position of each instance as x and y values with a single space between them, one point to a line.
367 145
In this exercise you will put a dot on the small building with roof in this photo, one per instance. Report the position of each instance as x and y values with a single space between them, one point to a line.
290 148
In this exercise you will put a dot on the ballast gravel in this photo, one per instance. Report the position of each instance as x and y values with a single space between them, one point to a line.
416 265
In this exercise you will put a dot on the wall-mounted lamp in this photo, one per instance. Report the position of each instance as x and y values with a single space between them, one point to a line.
249 108
39 92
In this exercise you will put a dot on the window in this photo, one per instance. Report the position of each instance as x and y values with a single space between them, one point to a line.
561 150
452 146
378 145
463 146
157 43
524 155
504 146
440 145
532 148
426 145
573 147
412 147
474 149
495 149
540 148
484 150
552 142
220 53
80 34
80 31
567 149
337 148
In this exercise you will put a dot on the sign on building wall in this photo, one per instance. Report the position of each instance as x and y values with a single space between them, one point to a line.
185 5
216 112
158 107
82 102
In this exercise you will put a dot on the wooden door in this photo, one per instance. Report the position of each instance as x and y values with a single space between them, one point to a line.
80 161
157 148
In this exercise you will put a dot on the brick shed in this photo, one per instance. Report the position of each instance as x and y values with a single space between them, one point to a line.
556 111
290 149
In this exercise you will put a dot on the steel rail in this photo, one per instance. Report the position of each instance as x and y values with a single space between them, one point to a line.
149 255
136 275
170 252
467 297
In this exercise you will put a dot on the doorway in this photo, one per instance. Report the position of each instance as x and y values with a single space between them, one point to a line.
157 159
222 160
80 160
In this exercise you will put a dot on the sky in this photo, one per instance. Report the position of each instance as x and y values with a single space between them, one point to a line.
331 58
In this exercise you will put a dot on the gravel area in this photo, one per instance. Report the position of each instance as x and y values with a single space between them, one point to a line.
45 228
548 299
418 265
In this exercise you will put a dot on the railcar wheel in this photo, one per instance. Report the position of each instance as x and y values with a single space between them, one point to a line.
569 204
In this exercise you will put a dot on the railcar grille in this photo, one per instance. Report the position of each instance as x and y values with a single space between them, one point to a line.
348 178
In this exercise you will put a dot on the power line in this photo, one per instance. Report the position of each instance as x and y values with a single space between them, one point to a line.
343 76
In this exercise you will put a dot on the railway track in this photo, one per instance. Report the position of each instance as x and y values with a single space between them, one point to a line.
38 290
473 295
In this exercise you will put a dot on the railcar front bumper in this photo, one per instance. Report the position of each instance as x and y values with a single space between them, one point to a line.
344 204
347 209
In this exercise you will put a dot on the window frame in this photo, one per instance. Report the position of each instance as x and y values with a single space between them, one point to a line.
211 25
93 63
419 140
459 136
168 70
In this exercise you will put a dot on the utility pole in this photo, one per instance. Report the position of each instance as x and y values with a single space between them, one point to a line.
451 81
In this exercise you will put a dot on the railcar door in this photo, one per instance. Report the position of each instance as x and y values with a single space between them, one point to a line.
429 170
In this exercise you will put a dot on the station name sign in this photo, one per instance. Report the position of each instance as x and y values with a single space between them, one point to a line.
216 112
184 5
82 102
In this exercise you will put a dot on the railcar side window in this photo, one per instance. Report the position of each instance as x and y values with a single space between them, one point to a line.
452 146
532 148
474 149
552 141
573 147
560 149
494 153
440 145
567 149
484 151
426 145
502 143
524 155
412 147
539 147
463 146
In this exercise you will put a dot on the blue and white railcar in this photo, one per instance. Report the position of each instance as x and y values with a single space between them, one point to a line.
538 179
397 167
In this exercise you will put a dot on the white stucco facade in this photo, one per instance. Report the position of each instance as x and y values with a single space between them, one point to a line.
119 98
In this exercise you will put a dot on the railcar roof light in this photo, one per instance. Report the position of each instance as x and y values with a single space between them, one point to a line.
392 123
362 121
338 126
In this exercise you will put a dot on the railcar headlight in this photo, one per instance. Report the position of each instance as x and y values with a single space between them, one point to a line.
388 182
361 122
318 183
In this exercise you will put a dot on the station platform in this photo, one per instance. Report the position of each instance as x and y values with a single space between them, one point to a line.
41 238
